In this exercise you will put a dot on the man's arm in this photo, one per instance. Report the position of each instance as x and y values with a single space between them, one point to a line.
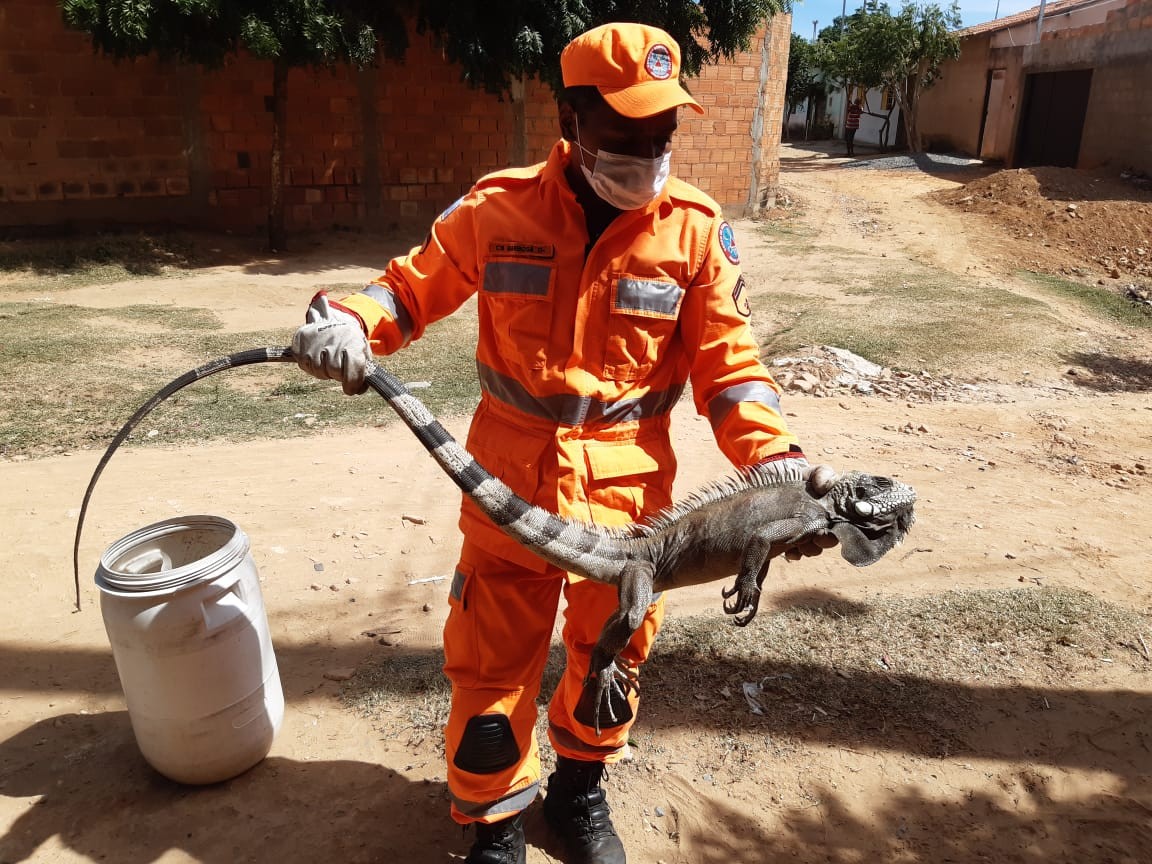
732 388
427 284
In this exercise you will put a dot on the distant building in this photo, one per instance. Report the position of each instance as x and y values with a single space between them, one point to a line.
1073 88
880 125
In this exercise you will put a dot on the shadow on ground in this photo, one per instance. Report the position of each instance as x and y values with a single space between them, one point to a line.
1112 374
103 257
98 796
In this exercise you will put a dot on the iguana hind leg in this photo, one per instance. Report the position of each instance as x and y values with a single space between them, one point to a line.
604 702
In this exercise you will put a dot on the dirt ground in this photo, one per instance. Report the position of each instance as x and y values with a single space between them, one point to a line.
1030 479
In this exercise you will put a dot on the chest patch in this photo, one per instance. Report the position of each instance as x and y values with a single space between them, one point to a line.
728 243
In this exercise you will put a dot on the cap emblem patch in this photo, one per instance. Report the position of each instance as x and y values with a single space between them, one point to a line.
659 62
728 243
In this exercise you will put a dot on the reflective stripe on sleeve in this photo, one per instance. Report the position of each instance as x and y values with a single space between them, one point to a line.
568 409
388 300
752 391
516 277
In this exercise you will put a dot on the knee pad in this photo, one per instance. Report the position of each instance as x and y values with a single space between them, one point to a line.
589 707
487 745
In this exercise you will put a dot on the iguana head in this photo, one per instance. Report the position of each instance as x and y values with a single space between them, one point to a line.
870 514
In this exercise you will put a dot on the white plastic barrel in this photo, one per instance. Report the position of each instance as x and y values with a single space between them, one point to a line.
183 610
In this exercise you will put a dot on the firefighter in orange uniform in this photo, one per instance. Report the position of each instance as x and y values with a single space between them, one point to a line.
604 286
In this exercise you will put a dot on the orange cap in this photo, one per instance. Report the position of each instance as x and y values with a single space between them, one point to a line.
635 67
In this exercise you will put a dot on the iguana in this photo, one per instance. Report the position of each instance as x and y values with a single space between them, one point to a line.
727 527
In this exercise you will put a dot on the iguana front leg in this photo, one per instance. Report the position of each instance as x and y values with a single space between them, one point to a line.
753 570
607 686
754 567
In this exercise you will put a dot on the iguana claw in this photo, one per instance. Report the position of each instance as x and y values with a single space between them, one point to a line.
746 599
606 695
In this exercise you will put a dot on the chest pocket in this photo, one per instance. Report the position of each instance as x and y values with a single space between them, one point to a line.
519 296
641 322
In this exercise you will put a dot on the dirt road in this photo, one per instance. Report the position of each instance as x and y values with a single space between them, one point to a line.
1041 485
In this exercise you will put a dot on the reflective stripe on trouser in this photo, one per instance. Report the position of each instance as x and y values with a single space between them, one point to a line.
496 643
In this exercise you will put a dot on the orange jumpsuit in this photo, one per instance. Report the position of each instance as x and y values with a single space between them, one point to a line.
582 354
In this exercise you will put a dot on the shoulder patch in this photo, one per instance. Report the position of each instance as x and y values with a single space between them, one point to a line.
727 239
740 298
451 207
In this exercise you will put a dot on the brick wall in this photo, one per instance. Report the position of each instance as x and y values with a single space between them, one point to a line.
1118 124
1133 15
83 138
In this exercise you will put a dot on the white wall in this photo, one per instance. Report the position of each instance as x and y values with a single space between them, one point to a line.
835 106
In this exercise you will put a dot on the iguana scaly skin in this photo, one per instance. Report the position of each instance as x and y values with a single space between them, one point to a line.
724 528
727 527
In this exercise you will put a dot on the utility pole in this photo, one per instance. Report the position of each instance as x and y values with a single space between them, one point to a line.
814 23
843 14
1040 22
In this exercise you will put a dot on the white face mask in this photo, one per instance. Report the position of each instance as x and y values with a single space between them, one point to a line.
625 182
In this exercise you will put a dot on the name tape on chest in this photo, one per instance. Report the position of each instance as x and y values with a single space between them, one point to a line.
517 249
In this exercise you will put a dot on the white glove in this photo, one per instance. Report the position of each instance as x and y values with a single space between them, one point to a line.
333 345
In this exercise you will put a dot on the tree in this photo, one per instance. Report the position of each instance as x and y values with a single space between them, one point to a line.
902 52
498 43
803 75
290 33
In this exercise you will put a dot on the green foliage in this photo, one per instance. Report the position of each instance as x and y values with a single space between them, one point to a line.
803 69
496 43
903 52
296 32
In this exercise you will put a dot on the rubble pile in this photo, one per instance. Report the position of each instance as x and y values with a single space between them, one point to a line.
1079 223
828 371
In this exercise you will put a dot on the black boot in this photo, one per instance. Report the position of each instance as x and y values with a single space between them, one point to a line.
576 810
499 843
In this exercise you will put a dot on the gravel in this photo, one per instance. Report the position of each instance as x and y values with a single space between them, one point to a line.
917 161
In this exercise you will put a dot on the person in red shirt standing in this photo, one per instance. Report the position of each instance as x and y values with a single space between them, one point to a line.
851 124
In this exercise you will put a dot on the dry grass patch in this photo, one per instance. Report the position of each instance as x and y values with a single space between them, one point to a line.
899 663
70 376
50 263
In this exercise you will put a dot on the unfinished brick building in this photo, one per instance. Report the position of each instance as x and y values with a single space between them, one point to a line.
84 139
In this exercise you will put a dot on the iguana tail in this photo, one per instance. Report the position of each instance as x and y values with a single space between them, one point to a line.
573 545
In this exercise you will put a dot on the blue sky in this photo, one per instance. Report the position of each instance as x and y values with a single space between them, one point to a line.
804 12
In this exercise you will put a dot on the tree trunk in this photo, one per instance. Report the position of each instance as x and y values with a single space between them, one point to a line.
908 100
276 231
